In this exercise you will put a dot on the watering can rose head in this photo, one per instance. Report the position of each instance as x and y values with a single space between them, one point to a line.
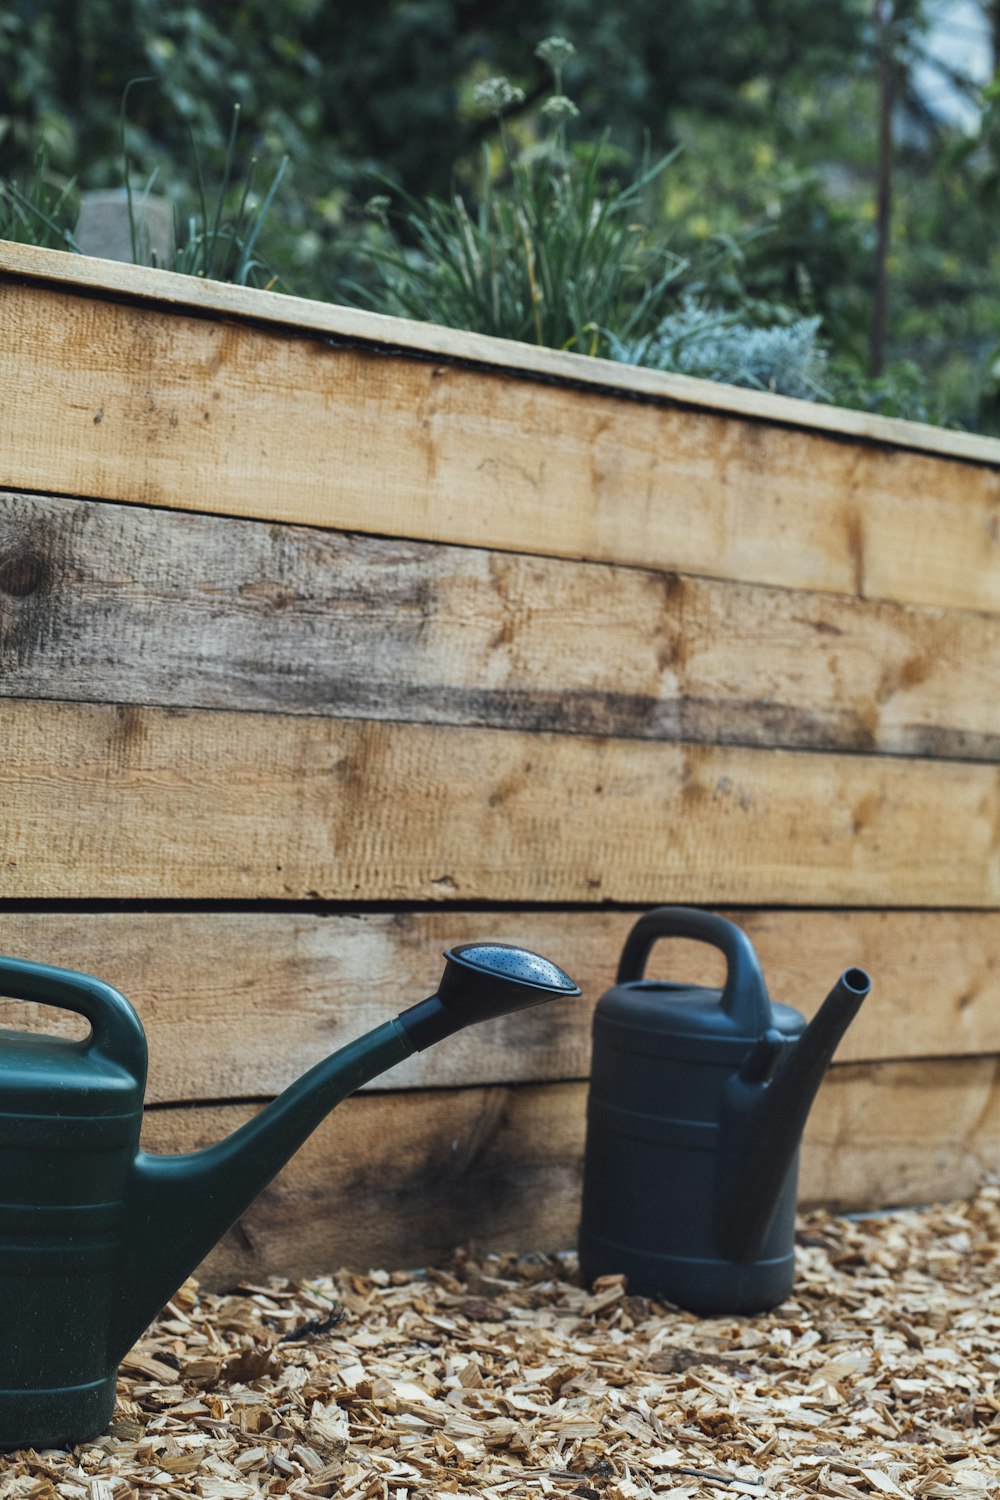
97 1235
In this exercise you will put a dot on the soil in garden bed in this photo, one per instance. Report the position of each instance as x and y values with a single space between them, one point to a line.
504 1377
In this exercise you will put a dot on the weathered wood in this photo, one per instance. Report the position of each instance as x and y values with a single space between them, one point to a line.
223 300
152 405
401 1179
107 603
882 1134
143 803
238 1004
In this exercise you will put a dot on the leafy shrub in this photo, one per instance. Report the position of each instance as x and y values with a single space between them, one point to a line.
787 358
901 391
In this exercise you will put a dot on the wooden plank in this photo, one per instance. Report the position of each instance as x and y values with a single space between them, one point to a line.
106 603
401 1179
157 803
891 1133
238 1004
159 407
213 298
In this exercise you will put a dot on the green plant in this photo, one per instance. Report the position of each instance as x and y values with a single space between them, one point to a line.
901 391
40 213
786 355
787 358
217 240
222 245
553 253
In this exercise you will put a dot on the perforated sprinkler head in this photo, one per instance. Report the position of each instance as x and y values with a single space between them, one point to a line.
482 981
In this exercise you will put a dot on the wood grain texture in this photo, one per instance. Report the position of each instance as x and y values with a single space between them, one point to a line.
155 803
237 1004
401 1179
144 404
221 299
104 603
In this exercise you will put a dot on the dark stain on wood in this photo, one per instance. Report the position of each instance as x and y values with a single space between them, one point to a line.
855 533
117 604
31 575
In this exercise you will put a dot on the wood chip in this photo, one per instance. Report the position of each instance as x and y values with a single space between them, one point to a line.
500 1377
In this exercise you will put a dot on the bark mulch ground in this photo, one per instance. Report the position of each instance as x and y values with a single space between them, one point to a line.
502 1376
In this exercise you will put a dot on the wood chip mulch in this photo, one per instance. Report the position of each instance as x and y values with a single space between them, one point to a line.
504 1377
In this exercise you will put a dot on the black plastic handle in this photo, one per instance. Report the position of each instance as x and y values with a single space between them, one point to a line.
744 996
115 1029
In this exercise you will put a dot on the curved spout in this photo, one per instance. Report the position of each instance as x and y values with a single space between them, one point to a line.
764 1111
177 1207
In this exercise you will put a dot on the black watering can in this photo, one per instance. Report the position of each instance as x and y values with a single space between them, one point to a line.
698 1100
95 1235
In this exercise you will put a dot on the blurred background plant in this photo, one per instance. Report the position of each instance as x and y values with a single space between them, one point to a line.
217 237
838 162
39 212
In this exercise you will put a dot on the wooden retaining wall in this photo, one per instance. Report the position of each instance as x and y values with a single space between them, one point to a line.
327 640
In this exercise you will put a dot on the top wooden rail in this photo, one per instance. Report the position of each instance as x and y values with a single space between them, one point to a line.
222 300
132 385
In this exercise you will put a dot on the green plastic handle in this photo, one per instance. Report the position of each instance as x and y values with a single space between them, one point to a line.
744 996
115 1029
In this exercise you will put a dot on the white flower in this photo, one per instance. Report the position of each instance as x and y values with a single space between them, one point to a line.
497 95
555 51
377 207
559 108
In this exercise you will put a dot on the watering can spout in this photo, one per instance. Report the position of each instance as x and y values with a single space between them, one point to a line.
177 1207
764 1110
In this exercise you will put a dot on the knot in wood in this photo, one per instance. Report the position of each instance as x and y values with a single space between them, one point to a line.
22 573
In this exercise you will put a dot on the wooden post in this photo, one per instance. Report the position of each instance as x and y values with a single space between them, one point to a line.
876 348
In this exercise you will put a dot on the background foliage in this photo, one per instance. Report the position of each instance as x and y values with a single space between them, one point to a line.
769 206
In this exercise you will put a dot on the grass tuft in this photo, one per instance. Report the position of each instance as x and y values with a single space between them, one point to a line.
217 240
553 252
40 213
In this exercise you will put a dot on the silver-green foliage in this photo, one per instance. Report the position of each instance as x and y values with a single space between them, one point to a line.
786 358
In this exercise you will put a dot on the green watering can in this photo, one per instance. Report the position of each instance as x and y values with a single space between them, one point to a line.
96 1235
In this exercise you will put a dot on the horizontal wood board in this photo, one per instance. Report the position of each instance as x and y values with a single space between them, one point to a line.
111 603
401 1179
238 1004
133 803
142 284
154 405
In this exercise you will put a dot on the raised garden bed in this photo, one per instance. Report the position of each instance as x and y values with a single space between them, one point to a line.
315 623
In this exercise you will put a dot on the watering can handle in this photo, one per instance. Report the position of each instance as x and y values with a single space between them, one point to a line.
744 996
115 1029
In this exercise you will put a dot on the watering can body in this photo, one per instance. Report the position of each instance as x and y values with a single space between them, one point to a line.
70 1116
95 1234
696 1107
